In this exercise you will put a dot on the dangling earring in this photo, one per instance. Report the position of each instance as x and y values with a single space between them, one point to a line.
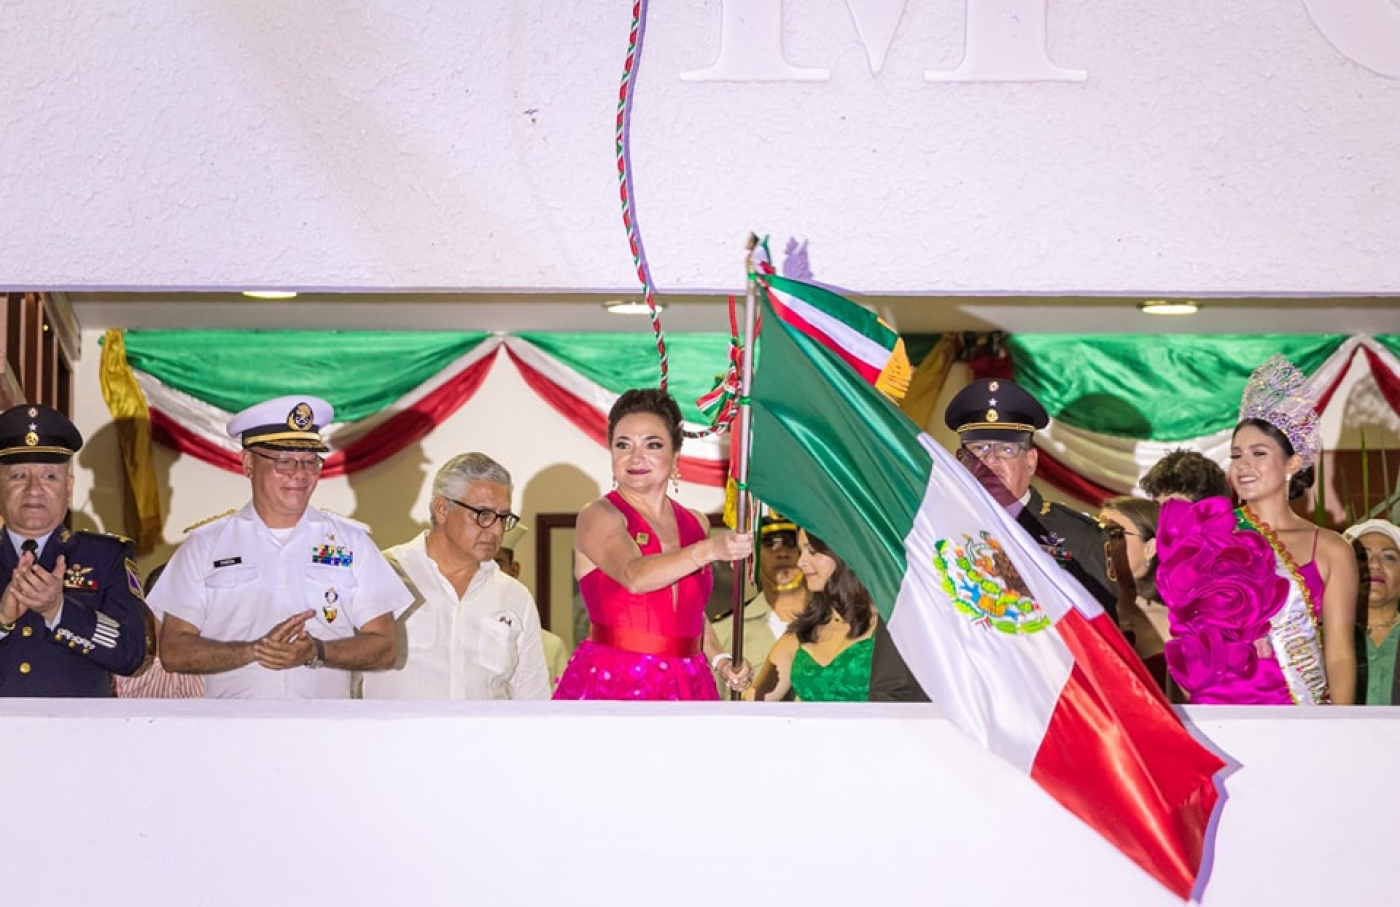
614 488
676 481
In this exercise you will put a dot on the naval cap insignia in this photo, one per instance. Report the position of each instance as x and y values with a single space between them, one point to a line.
300 417
992 415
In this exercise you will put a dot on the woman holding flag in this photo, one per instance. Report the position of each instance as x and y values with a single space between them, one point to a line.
643 567
1261 601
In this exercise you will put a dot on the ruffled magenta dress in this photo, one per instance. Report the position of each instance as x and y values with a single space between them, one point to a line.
1223 585
643 646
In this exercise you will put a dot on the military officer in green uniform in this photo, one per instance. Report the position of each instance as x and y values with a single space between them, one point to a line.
996 421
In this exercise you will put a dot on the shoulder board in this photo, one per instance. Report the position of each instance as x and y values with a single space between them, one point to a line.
207 520
346 519
95 533
1070 511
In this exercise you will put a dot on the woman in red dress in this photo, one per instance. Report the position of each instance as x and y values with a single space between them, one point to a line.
643 567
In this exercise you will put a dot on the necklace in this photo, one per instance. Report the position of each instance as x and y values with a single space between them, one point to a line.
1373 628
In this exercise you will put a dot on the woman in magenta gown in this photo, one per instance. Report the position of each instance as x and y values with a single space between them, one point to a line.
1260 601
643 566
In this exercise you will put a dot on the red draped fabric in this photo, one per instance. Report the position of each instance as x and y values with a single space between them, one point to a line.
589 420
395 434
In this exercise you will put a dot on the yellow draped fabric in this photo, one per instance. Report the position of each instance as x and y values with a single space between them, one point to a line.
132 417
928 381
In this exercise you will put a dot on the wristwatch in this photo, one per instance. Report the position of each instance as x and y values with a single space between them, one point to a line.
319 659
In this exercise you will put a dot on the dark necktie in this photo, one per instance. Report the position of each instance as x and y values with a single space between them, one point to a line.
30 546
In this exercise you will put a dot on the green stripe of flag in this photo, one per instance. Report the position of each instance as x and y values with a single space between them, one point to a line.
837 457
833 305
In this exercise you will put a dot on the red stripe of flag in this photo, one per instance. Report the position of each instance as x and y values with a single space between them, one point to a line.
1145 795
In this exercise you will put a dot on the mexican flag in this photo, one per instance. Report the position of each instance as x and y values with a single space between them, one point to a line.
853 333
1012 648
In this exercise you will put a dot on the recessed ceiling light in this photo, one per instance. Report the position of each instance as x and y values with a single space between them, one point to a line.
1169 306
270 294
629 307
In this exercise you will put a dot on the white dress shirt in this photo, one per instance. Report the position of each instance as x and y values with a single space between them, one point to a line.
483 645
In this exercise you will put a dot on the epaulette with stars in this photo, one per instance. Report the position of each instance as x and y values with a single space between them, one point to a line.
207 520
1080 515
64 535
345 519
95 533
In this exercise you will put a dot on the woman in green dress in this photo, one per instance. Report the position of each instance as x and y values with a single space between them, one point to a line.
825 654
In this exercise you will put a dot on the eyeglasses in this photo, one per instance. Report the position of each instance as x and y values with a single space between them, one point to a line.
1115 532
486 517
1002 450
290 466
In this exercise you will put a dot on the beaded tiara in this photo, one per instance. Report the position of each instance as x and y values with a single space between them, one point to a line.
1278 394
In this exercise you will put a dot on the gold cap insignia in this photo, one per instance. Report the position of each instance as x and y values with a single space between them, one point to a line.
991 415
31 439
300 418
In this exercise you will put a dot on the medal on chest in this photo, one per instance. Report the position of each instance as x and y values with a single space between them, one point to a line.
78 577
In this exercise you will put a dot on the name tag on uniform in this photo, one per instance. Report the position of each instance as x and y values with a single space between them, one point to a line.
228 562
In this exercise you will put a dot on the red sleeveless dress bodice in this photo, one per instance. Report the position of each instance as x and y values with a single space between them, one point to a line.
643 645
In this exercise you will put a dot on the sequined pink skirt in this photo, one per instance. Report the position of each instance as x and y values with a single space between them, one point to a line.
602 672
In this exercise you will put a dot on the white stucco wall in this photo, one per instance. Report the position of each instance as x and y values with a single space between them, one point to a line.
1210 148
233 803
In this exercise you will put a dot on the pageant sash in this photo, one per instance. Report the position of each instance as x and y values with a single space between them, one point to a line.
1297 644
1293 630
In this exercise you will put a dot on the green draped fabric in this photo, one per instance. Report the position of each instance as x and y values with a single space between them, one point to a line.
358 372
622 361
1160 387
1390 341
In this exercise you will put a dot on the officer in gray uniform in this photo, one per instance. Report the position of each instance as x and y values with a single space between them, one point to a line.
996 421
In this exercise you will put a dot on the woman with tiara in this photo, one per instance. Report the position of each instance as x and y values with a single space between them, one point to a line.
1261 602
